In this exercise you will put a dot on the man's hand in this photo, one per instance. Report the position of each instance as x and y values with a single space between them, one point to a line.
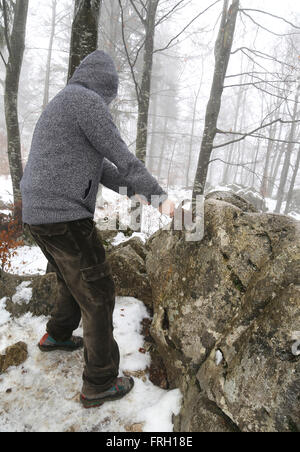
167 208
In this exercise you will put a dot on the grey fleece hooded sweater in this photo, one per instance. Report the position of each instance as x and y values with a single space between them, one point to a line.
76 146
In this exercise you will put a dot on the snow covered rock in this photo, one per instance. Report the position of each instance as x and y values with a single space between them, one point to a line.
232 198
34 293
249 194
236 294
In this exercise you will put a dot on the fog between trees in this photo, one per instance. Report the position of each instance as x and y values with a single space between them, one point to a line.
209 91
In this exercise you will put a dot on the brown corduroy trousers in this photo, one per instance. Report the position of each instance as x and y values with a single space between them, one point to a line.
85 290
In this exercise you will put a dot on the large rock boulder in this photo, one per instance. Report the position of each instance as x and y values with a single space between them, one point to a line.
127 261
225 311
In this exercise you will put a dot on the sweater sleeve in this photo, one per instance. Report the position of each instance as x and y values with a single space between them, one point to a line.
112 179
97 124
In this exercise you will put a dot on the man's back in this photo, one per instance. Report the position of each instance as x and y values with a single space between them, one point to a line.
72 137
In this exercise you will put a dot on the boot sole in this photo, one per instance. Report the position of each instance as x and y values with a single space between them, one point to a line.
99 402
57 347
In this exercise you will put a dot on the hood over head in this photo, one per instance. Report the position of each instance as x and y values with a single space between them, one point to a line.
97 72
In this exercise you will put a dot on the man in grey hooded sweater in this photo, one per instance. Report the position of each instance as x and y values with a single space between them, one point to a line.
76 146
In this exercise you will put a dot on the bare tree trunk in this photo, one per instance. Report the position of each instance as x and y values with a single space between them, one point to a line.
84 38
113 19
144 94
162 150
255 162
239 145
265 179
49 56
230 152
292 184
288 154
150 166
15 46
222 55
192 137
170 164
274 162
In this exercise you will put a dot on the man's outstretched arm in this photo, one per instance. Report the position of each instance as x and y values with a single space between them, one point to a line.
112 179
97 124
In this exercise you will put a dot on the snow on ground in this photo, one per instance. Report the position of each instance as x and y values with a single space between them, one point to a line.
4 315
29 260
23 293
6 191
42 395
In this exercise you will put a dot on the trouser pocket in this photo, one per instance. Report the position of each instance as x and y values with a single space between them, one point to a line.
56 236
99 282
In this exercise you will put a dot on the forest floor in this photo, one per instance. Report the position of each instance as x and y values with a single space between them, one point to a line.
42 395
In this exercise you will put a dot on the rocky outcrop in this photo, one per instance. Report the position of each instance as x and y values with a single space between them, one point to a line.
225 312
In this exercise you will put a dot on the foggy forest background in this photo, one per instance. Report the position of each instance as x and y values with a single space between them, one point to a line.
177 60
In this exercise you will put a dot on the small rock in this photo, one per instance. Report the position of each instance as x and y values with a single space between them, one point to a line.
14 356
134 427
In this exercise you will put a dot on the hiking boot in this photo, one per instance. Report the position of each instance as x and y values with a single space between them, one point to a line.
119 389
48 344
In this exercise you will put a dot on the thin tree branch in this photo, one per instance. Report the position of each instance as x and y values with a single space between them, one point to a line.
3 59
6 29
169 12
137 88
232 164
185 28
269 82
272 15
250 74
138 52
143 5
267 92
267 29
249 133
263 55
246 168
138 13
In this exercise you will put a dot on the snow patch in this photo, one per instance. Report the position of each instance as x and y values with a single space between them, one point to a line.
296 348
4 315
219 357
121 237
6 190
29 260
23 293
